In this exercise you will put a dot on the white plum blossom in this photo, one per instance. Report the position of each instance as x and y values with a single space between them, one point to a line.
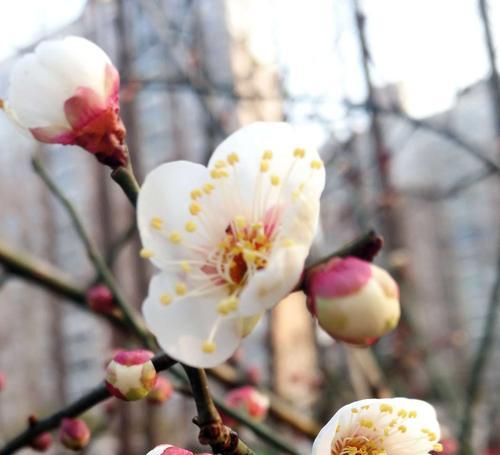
66 92
230 239
391 426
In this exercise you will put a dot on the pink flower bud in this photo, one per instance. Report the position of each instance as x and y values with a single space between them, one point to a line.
249 400
74 434
3 380
167 449
161 392
131 375
353 300
100 299
66 92
42 442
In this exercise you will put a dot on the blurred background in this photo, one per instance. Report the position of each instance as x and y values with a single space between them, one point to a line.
402 98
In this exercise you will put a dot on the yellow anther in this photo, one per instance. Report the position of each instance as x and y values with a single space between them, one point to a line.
233 158
275 180
354 410
145 253
194 208
386 431
299 153
222 308
402 413
367 423
425 430
402 428
208 347
196 193
219 164
386 408
264 166
257 226
165 299
365 407
156 223
180 288
431 436
207 188
316 164
437 447
249 256
190 226
412 414
185 266
288 242
267 155
175 237
240 222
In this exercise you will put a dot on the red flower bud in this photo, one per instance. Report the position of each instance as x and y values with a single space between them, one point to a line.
167 449
353 300
249 400
131 375
42 442
161 392
100 299
3 380
74 434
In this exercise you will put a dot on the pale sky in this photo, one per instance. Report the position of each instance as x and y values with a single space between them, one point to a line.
432 48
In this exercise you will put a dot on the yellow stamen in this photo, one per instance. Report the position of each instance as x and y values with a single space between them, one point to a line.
175 237
194 208
233 158
190 226
145 253
207 188
185 266
165 299
275 180
196 193
299 153
208 347
156 223
316 164
267 155
264 166
219 164
180 288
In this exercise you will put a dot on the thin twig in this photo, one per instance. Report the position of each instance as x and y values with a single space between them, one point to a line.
125 177
480 362
97 260
95 396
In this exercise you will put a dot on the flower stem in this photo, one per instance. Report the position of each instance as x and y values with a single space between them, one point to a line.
125 177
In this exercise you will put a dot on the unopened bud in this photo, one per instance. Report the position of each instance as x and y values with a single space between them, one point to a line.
100 299
353 300
161 392
167 449
131 375
42 442
249 400
74 434
3 380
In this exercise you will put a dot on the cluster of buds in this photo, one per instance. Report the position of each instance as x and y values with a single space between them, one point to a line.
74 434
353 300
131 375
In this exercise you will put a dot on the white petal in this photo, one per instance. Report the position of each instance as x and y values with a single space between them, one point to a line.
250 142
42 81
165 194
158 450
272 284
182 326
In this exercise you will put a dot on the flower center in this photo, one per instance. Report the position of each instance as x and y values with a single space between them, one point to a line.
242 252
358 445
